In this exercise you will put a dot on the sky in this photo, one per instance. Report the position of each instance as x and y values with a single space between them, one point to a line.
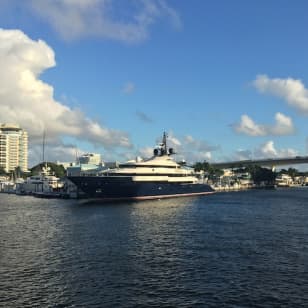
227 80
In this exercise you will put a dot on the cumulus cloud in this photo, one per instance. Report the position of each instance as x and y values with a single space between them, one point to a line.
242 155
289 89
56 151
263 151
127 21
186 148
173 141
145 152
27 100
283 126
248 127
268 150
191 149
198 145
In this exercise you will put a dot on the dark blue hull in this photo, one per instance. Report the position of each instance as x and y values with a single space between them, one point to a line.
123 188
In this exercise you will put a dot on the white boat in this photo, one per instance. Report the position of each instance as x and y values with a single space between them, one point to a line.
284 180
43 183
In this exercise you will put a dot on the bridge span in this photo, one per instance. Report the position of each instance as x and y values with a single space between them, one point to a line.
269 162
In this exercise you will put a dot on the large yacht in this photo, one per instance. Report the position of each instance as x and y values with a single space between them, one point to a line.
155 178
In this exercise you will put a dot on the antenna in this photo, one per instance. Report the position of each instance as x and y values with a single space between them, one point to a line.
44 162
165 142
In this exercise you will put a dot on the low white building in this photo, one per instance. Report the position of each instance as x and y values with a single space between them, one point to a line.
284 180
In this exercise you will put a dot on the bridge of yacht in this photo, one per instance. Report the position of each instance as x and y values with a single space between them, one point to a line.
269 162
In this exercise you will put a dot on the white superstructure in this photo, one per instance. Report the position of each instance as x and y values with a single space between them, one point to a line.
13 147
90 158
44 182
156 169
159 168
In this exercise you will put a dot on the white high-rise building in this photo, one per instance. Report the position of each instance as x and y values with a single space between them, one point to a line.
13 147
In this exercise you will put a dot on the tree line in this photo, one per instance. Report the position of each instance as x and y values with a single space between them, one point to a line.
57 170
258 173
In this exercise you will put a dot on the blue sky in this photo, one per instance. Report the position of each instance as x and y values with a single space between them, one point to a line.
226 79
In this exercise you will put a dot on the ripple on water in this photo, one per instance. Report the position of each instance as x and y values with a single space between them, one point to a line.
233 250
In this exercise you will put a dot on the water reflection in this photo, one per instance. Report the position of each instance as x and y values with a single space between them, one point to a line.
222 250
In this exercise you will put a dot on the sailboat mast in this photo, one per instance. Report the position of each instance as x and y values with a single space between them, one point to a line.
43 146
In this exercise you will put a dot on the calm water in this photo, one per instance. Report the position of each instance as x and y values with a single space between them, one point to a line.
244 249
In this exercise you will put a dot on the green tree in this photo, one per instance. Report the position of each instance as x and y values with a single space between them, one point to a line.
293 172
57 170
259 174
201 166
2 171
207 168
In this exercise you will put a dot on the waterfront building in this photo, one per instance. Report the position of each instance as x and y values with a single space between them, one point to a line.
90 159
13 147
65 164
86 164
284 180
85 161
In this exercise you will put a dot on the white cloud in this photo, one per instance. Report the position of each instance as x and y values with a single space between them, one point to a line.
57 151
127 21
197 150
27 100
173 141
283 126
268 150
199 145
146 152
186 148
248 127
289 89
203 156
190 149
242 155
263 151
